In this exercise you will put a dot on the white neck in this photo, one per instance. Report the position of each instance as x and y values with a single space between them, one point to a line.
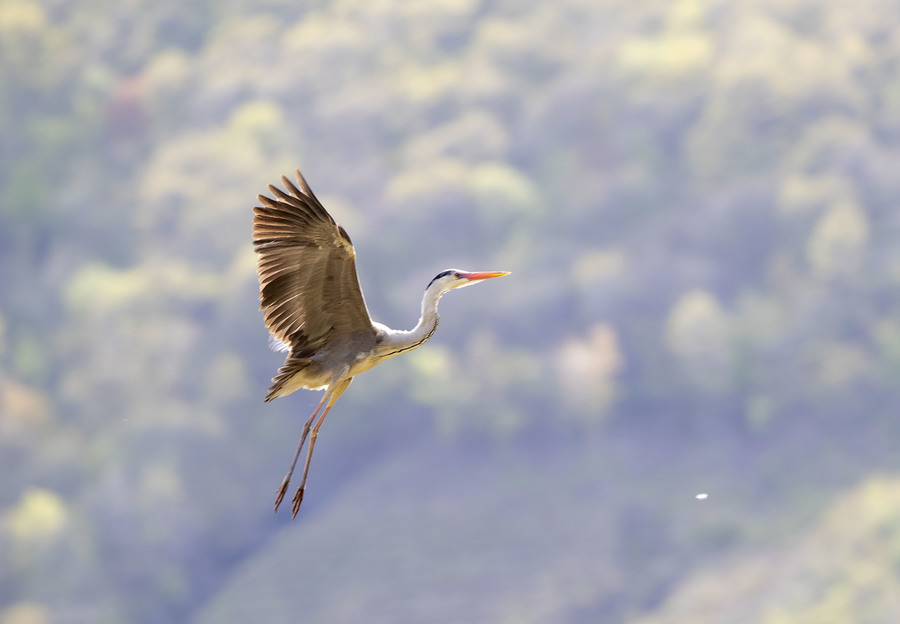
397 341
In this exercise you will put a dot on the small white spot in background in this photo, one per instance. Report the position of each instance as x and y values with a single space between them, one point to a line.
701 496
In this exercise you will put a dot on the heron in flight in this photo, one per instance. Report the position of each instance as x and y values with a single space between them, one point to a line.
314 309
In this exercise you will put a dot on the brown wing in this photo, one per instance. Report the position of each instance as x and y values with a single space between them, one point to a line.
308 286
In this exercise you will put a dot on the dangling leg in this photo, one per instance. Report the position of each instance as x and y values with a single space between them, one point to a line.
339 388
290 472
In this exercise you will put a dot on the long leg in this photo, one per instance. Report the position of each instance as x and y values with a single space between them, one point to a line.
290 472
339 388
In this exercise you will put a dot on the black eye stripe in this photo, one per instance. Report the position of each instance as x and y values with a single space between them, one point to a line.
439 276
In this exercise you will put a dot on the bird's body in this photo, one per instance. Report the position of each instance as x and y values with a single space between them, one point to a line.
357 352
313 306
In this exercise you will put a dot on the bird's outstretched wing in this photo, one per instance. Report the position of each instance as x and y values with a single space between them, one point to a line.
308 287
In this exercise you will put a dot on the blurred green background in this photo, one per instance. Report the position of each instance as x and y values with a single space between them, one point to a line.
698 201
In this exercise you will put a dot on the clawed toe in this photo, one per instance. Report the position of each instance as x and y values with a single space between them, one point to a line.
298 498
281 492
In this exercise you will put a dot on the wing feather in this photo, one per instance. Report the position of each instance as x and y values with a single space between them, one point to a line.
308 286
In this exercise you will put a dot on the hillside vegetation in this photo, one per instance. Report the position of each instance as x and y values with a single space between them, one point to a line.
698 204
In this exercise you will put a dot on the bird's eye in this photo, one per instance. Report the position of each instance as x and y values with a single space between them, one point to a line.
456 275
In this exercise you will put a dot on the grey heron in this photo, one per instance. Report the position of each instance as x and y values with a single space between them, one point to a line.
314 309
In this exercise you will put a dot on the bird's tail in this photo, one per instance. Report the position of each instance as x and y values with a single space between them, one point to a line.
288 378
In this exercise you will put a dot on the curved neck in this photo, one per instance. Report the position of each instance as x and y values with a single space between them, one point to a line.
399 341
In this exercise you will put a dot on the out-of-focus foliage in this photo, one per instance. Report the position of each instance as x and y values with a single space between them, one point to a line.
698 204
843 570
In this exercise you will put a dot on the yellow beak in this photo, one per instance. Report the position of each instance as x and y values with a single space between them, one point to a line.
483 276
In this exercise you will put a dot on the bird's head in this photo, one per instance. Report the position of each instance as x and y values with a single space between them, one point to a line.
454 278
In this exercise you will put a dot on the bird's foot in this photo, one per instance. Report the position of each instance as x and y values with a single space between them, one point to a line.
281 492
298 498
